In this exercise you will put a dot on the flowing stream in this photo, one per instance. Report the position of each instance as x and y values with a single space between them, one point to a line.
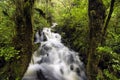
53 60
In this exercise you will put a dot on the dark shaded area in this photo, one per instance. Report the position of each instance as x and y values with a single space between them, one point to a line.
2 62
41 13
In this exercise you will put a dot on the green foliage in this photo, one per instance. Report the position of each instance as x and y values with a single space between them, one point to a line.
72 19
8 53
104 49
6 23
73 22
111 73
39 21
6 30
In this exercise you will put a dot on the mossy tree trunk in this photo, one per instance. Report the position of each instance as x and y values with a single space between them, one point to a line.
23 39
96 12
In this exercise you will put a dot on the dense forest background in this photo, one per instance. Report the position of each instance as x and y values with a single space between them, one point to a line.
90 27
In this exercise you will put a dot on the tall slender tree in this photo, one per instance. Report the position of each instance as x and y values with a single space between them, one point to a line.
96 12
107 21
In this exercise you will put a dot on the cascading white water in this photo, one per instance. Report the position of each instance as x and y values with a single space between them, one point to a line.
54 60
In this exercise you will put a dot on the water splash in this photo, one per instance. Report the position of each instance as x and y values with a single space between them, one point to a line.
54 60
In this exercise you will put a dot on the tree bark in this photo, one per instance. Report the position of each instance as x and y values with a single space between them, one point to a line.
23 40
96 12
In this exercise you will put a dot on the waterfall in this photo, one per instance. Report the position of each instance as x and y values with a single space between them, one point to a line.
53 60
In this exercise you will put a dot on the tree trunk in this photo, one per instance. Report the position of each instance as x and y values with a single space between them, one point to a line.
23 39
96 12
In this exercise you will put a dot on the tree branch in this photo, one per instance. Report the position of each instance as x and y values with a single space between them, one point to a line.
108 19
